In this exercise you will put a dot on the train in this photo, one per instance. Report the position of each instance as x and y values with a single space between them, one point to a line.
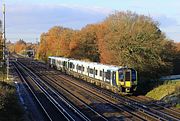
115 78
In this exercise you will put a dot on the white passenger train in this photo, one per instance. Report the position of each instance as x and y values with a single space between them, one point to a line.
116 78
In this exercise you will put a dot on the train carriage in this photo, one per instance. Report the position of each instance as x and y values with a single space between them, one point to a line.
114 77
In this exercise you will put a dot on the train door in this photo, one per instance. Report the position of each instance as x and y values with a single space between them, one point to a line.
88 70
121 77
108 76
103 74
77 67
127 78
53 63
114 78
94 72
82 69
68 65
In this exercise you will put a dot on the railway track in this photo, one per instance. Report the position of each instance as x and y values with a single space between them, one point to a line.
153 113
121 105
165 114
156 105
94 98
54 106
58 86
39 98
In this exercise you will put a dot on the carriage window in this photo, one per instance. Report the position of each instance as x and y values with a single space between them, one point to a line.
53 61
79 67
64 63
96 72
91 71
100 73
108 75
71 65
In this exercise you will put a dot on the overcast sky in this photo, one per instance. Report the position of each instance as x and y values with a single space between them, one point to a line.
27 19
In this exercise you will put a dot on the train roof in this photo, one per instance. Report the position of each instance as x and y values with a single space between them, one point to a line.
90 64
58 58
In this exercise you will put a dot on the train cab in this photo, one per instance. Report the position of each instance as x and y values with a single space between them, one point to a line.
126 79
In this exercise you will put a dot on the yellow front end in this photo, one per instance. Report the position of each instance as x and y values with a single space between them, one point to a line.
124 80
128 84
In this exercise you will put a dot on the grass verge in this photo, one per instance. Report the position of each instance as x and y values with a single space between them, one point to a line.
168 88
169 92
10 109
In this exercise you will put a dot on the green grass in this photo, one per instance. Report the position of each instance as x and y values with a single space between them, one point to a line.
178 106
168 88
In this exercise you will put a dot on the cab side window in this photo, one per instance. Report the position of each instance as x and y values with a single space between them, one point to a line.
121 75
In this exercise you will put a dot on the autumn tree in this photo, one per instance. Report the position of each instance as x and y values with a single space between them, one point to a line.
123 38
65 39
178 46
55 43
136 41
42 49
20 46
84 44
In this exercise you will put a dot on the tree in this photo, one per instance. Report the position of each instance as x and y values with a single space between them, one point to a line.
178 46
20 46
136 41
55 43
176 60
123 38
84 45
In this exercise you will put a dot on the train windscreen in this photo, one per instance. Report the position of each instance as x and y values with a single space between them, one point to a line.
121 75
127 76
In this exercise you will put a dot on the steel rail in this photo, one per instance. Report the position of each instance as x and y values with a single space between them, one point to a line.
32 92
158 114
62 99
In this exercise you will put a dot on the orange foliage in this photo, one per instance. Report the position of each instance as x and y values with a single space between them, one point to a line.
20 46
123 38
178 46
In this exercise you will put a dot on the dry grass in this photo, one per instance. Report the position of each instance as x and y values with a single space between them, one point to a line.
10 109
168 88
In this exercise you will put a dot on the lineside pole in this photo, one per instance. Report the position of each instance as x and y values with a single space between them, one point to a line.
4 34
4 43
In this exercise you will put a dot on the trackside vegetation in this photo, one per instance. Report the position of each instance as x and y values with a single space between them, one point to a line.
169 92
10 109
